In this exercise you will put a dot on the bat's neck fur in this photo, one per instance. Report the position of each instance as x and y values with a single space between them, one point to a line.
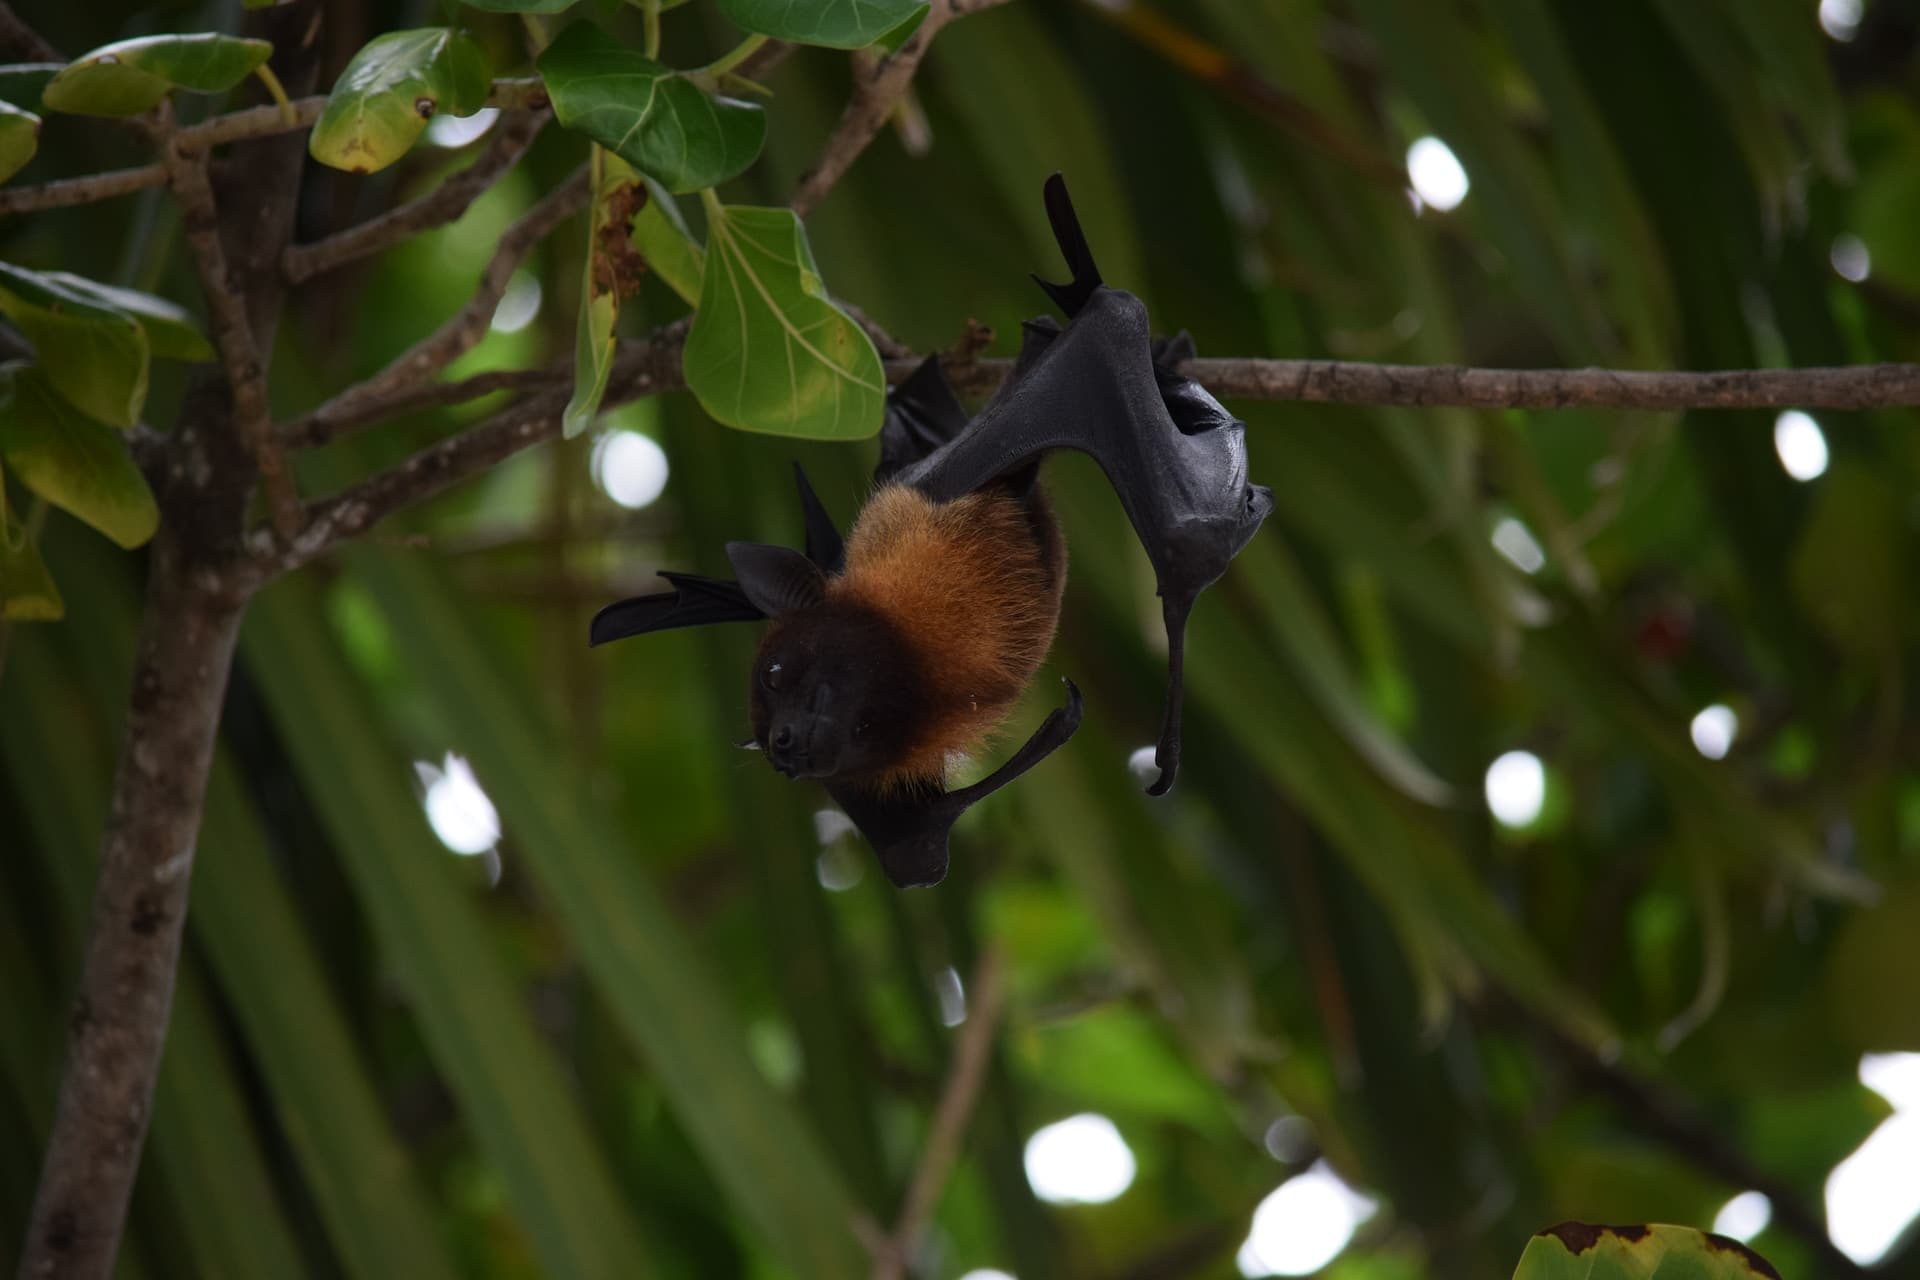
973 588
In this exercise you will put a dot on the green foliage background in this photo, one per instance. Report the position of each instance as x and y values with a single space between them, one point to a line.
659 1045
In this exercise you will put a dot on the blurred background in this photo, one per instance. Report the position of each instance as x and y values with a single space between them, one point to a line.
1548 842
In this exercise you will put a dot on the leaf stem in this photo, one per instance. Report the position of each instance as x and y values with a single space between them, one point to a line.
651 8
733 57
279 93
716 212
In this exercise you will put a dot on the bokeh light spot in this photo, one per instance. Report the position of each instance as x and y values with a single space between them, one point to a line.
1840 18
1801 444
1516 542
1714 730
457 809
1849 256
1744 1217
1079 1160
458 131
1304 1225
1436 173
1872 1195
1516 788
629 468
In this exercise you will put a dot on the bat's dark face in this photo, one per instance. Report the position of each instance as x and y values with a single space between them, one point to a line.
835 693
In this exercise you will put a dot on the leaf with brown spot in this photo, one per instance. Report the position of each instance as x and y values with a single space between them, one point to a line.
1585 1251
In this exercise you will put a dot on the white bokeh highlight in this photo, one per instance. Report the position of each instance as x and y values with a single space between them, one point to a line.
1304 1225
1516 543
1840 18
1079 1160
1140 764
952 995
1873 1195
458 131
1516 788
519 305
457 809
1800 444
1849 257
1713 731
629 468
1744 1217
1436 174
988 1273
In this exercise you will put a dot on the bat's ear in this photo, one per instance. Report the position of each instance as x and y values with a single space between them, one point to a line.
1073 295
776 579
824 545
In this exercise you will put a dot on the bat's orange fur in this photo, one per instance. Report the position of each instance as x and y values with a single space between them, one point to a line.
973 586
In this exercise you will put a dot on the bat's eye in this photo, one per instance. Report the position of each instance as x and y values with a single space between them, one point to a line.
774 676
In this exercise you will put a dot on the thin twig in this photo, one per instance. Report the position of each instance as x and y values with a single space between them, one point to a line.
71 191
444 204
460 334
986 991
20 42
876 92
232 333
640 369
235 126
311 430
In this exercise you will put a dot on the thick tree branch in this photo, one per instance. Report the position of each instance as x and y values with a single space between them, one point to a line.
985 992
71 191
233 333
444 204
460 334
877 90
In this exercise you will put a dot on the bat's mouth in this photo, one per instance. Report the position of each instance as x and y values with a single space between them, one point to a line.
805 749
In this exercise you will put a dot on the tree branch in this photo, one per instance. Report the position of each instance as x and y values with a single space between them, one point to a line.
444 204
876 92
18 41
987 991
463 331
232 332
235 126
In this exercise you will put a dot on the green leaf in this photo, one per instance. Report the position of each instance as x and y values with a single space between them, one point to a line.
520 1104
657 983
769 351
661 236
652 117
381 103
131 76
836 24
172 332
27 590
19 139
74 462
22 83
1849 570
521 6
95 355
615 187
1576 1251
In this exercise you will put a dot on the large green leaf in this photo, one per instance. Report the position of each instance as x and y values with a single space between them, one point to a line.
94 354
74 462
131 76
397 82
1576 1251
19 138
521 6
769 351
837 24
474 1017
657 984
655 119
661 236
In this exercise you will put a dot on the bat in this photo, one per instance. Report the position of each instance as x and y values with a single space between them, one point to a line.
906 644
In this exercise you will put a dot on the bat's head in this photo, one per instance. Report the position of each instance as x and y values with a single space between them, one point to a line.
835 688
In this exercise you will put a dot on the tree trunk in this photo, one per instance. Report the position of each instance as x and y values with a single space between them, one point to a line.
119 1019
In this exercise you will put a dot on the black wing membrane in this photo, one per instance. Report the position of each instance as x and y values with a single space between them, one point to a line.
694 602
1174 455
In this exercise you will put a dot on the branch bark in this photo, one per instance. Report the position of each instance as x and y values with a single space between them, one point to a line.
444 204
944 1138
463 331
876 92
